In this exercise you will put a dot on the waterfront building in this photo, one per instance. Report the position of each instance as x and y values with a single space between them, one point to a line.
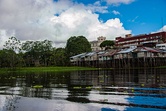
140 40
161 46
95 45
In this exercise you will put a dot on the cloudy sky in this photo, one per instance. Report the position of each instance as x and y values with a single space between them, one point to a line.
58 20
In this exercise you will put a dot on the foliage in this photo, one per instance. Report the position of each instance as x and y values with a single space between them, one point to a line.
40 53
4 58
37 52
11 48
107 44
59 57
76 45
8 58
13 44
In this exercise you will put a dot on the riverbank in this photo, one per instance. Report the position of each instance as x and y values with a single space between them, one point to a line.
162 67
58 69
45 69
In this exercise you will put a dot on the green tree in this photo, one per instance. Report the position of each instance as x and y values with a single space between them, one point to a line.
108 44
13 44
45 49
28 50
76 45
12 48
59 57
4 58
37 52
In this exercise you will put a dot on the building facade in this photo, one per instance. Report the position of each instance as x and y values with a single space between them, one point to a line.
95 45
129 40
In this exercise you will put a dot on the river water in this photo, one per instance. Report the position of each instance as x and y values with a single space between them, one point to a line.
101 90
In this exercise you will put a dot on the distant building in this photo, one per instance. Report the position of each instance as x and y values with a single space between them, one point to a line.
139 40
161 46
95 45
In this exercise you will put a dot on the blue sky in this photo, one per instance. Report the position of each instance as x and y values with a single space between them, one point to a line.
140 16
58 20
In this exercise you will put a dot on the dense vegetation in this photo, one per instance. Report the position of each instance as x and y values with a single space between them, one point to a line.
108 44
77 45
40 53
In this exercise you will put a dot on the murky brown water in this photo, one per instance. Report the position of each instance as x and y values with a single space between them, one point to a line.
102 90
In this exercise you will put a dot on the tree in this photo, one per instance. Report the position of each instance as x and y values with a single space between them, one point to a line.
108 44
46 47
28 50
76 45
59 57
5 58
11 48
13 44
37 52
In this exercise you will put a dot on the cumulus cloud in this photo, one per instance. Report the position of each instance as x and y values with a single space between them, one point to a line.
55 21
163 29
3 38
118 2
97 7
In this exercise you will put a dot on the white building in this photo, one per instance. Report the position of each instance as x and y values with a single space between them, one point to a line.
161 46
95 45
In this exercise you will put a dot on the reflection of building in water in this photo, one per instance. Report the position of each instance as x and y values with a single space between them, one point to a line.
122 77
95 78
23 84
152 77
81 78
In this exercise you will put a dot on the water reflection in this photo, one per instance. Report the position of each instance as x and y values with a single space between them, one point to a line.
123 89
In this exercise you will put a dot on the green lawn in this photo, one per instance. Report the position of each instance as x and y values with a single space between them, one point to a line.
46 69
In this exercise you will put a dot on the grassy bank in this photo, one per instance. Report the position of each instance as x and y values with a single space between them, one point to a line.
56 69
161 67
45 69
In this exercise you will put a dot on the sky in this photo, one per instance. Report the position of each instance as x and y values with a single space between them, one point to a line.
58 20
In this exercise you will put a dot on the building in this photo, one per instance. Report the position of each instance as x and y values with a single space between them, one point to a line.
139 40
95 45
161 46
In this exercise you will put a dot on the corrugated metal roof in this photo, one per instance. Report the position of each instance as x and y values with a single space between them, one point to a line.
101 53
90 53
79 55
110 53
127 50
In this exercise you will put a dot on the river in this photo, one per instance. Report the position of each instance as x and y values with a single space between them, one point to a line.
101 90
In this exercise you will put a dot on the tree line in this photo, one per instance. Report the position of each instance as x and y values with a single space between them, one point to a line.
41 53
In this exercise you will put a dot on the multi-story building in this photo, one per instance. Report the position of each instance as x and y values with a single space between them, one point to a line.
129 40
95 45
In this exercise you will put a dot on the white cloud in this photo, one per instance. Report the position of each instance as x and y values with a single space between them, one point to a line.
163 29
118 2
35 20
134 19
4 36
97 7
116 12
